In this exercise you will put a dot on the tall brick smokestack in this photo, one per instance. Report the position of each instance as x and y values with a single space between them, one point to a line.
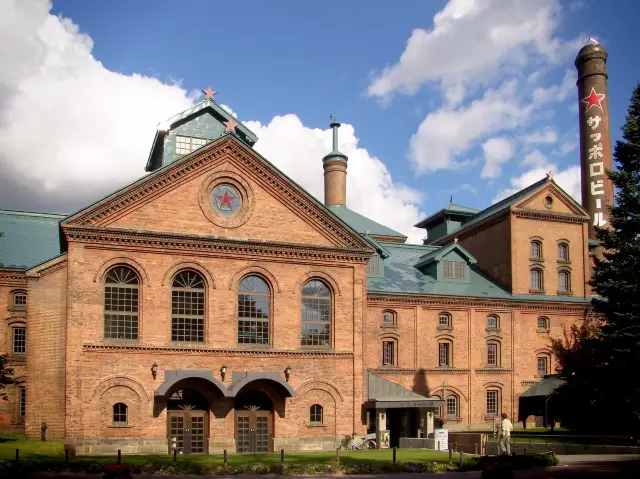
335 172
595 136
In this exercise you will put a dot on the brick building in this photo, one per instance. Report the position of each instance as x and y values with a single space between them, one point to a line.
214 304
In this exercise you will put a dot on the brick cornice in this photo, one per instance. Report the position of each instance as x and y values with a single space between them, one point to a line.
226 352
543 215
155 184
210 245
409 371
12 277
429 302
48 268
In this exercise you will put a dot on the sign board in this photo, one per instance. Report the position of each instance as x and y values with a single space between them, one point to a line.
383 442
428 403
441 439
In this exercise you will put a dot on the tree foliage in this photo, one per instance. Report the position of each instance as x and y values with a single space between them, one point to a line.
600 360
6 376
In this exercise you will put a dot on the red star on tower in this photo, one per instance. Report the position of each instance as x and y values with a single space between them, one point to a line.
226 199
594 99
209 93
230 124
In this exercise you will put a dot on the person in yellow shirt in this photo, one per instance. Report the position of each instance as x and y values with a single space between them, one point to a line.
505 435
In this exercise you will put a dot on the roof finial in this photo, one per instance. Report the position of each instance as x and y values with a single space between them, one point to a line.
455 240
550 175
451 200
209 93
592 41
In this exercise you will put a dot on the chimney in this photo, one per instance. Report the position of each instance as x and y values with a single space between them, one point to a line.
335 172
595 137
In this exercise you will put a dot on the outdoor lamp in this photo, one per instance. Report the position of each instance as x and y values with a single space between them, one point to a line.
154 369
287 373
223 371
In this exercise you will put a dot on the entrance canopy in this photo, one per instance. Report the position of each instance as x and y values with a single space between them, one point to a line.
384 394
538 400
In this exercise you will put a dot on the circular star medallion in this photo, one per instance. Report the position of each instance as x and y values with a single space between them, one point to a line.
226 199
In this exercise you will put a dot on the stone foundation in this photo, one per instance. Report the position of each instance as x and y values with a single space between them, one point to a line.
109 447
291 444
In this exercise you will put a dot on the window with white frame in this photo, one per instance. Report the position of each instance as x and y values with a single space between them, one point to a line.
563 252
564 281
187 144
492 355
19 300
542 365
19 339
536 280
536 249
444 320
492 322
493 396
388 318
452 406
453 270
444 353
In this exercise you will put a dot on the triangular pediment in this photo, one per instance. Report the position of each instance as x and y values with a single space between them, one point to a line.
180 199
551 199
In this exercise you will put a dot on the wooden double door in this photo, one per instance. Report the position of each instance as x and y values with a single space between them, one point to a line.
254 431
188 431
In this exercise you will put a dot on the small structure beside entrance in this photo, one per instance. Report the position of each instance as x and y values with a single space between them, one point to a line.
539 401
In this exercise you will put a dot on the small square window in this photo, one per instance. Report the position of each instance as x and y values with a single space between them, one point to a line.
388 318
444 320
492 322
543 323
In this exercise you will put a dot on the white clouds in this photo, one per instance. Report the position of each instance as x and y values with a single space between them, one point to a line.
496 152
556 93
568 180
445 133
535 158
72 131
546 136
471 41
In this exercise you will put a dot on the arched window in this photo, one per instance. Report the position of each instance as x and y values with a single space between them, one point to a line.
536 249
445 353
254 307
493 402
187 307
389 352
388 318
493 322
493 354
121 298
453 411
316 314
543 323
444 321
536 280
564 281
543 364
563 252
120 414
19 300
315 414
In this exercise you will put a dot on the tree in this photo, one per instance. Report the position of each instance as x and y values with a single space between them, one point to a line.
6 376
601 364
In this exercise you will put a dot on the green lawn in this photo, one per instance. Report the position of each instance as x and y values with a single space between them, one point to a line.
33 450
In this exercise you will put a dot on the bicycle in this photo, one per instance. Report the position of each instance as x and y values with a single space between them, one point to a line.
367 444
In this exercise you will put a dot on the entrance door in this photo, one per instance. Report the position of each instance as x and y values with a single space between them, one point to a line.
253 431
188 428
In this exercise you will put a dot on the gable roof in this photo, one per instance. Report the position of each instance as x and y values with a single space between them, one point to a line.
438 254
29 238
162 176
546 387
450 209
362 224
381 389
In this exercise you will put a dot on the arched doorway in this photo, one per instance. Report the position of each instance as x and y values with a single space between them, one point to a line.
253 421
188 421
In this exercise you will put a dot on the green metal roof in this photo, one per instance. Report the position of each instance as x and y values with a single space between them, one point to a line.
29 238
546 387
401 276
450 209
438 254
362 224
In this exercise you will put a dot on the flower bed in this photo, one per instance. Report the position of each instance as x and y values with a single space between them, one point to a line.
503 466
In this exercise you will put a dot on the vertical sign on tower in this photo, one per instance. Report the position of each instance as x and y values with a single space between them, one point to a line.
595 137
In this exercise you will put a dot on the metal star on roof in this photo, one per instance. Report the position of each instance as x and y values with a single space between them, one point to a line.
455 240
209 93
230 125
550 174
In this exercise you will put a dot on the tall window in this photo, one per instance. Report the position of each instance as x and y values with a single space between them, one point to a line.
19 300
453 269
316 314
19 340
388 353
444 320
444 354
492 322
388 318
187 307
187 144
536 280
120 414
542 365
543 323
23 401
536 249
315 414
492 355
373 266
563 252
452 406
492 402
121 297
564 281
254 304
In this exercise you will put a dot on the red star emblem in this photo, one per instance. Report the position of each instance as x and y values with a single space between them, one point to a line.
594 99
230 124
209 93
225 200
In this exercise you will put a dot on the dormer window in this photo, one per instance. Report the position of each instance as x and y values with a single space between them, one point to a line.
187 144
453 269
373 266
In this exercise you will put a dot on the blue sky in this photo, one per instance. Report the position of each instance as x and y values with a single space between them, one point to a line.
480 100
